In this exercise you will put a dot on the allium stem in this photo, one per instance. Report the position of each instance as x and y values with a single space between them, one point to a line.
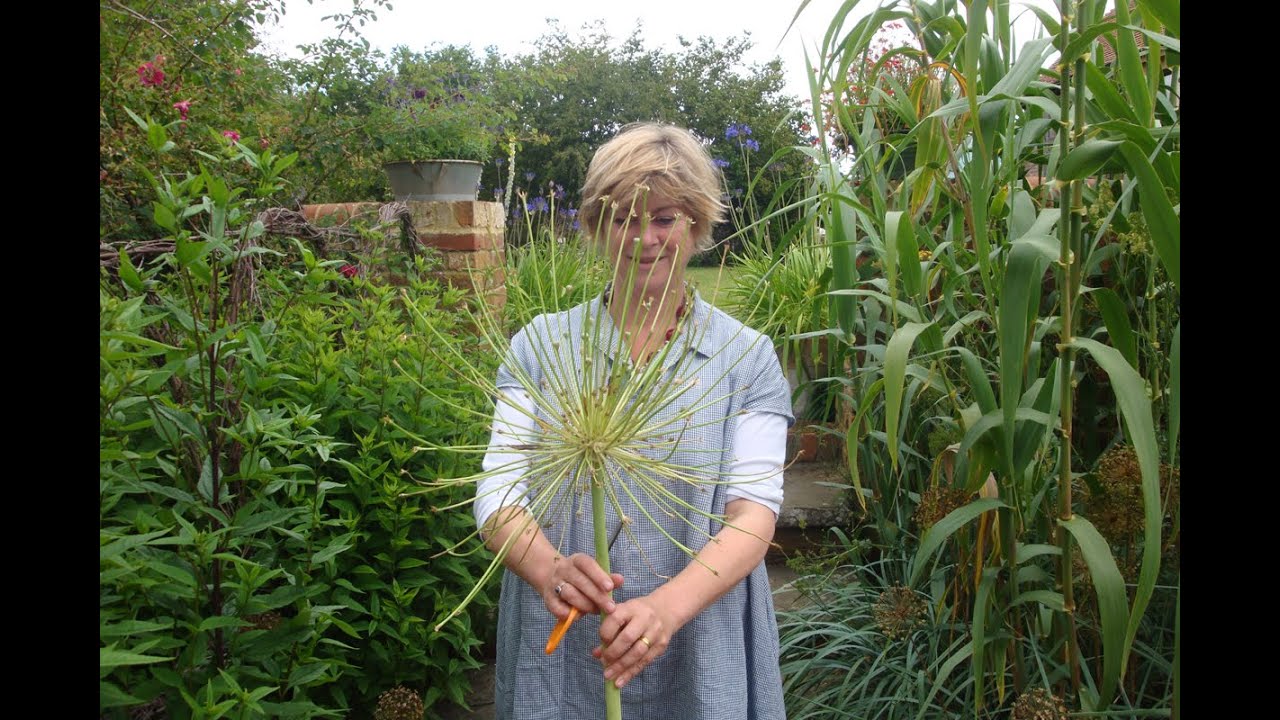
612 695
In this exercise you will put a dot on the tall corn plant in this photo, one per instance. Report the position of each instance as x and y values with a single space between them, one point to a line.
957 320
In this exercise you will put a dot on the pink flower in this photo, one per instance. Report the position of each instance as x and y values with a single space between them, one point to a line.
263 142
349 271
150 74
183 107
235 136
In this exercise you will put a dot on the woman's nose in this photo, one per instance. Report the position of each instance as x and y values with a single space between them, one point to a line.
654 234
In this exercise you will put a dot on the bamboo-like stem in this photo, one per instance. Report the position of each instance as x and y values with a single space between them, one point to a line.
612 694
1069 234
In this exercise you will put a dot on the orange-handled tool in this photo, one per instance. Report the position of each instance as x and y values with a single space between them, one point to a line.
562 627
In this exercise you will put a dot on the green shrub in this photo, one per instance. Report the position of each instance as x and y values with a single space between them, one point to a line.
257 556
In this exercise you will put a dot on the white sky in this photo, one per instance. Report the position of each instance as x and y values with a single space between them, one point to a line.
513 25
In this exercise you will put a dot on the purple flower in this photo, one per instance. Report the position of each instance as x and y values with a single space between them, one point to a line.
558 193
731 132
573 212
575 225
499 161
720 163
419 93
529 176
538 204
752 145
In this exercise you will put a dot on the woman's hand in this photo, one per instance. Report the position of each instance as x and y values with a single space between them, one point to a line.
633 636
578 581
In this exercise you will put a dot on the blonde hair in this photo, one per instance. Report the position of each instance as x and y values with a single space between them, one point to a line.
661 159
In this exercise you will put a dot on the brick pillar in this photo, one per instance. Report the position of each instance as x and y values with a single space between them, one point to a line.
468 234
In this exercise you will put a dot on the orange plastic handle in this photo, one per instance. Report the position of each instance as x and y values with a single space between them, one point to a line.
561 628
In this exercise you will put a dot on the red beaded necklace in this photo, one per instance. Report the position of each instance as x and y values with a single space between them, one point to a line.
680 312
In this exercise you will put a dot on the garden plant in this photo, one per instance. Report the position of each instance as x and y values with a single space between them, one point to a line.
968 237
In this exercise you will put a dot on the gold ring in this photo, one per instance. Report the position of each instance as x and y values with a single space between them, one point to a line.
646 642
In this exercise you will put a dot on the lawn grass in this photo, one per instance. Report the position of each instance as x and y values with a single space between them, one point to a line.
713 285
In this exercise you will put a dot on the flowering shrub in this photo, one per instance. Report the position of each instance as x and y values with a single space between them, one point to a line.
436 106
887 71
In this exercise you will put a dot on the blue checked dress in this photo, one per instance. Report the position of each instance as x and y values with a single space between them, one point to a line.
722 665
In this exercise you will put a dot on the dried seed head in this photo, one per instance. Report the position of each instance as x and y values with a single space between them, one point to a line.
263 621
899 611
1039 704
399 703
936 503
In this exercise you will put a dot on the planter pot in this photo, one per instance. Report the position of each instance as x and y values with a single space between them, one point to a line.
434 180
902 162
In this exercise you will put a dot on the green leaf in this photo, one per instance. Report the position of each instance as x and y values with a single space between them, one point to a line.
1026 68
1109 586
339 544
221 621
1167 12
1132 75
164 217
1048 598
895 370
935 536
981 606
1135 409
1106 95
1166 233
157 136
1082 41
1175 389
118 546
1034 550
962 653
129 274
1022 213
110 696
1085 159
1116 318
306 674
853 439
998 419
1022 283
979 384
110 658
908 252
255 345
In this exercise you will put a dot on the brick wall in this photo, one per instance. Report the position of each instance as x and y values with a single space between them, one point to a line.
468 234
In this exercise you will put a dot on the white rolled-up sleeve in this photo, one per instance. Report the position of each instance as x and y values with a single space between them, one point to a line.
758 452
511 428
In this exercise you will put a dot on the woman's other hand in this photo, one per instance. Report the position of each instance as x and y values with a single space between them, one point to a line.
633 636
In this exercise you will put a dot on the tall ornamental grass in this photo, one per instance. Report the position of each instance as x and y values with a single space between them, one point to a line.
1001 324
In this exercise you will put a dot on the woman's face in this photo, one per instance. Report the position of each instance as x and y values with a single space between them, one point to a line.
659 258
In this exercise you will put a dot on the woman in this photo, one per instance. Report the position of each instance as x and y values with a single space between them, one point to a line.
683 638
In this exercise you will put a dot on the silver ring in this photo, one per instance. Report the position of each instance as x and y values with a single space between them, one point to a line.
558 588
